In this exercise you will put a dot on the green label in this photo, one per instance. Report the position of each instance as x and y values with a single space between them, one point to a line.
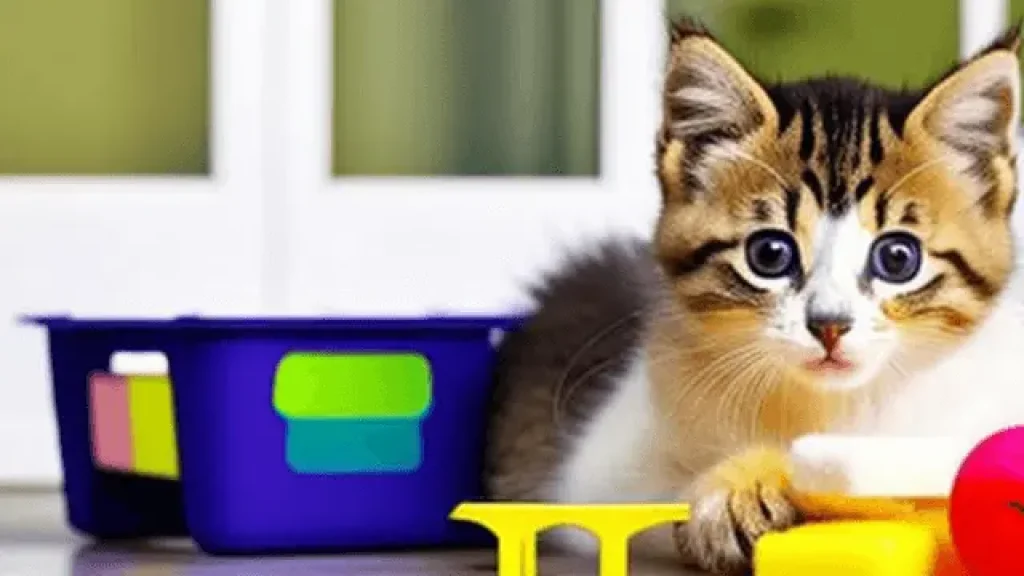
362 385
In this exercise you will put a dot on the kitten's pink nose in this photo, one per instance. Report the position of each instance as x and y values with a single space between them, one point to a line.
829 331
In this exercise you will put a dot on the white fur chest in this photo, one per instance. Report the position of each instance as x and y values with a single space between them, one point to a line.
977 390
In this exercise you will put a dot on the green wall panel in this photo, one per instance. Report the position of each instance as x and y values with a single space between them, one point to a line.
893 42
104 86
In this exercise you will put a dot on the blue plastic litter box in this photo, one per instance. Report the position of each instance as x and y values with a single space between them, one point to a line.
275 435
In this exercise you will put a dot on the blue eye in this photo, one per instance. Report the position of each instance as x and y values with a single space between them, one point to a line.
895 258
772 253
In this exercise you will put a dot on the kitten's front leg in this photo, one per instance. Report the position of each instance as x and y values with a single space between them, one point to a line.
733 504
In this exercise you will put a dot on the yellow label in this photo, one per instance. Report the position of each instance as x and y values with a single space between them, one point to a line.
154 446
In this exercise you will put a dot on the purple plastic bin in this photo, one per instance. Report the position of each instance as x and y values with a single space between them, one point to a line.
237 491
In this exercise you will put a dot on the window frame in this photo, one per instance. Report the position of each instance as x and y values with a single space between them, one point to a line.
130 245
483 236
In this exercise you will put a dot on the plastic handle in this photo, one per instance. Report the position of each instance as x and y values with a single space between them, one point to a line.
516 526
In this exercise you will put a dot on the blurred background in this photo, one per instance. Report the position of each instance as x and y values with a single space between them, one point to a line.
501 87
357 156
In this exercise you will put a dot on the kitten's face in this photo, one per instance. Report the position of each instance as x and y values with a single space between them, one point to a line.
831 227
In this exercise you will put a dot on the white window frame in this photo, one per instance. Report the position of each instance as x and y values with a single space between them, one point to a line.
981 21
371 246
134 245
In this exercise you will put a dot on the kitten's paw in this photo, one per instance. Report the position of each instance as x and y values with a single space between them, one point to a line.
733 504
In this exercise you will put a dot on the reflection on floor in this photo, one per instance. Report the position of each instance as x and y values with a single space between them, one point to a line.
35 542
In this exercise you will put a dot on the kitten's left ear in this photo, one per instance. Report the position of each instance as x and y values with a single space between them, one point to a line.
976 109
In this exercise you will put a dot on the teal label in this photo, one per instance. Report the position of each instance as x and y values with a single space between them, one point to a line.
354 446
353 413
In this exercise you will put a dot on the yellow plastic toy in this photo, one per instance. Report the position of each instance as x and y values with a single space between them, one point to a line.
861 548
864 522
877 489
517 525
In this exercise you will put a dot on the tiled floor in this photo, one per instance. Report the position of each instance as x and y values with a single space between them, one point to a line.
34 542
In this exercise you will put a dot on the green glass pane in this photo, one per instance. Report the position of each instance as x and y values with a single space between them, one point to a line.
466 87
322 385
892 42
104 86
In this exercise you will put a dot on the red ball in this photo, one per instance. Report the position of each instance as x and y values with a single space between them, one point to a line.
986 509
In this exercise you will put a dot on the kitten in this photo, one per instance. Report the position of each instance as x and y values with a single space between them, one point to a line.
830 256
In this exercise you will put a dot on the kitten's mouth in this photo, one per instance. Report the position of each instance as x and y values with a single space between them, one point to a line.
834 362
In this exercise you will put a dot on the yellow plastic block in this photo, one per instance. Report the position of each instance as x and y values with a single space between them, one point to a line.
948 562
929 512
154 443
858 548
516 526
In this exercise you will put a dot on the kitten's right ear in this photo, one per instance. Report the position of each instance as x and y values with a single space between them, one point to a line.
708 97
707 91
976 108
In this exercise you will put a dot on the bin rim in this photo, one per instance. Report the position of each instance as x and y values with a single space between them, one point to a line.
286 323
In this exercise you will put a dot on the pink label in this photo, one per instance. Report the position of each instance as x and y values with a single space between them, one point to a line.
110 416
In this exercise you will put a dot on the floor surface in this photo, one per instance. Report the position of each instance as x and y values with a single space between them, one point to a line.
35 542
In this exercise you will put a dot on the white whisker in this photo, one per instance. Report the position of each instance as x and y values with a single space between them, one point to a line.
732 151
919 169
